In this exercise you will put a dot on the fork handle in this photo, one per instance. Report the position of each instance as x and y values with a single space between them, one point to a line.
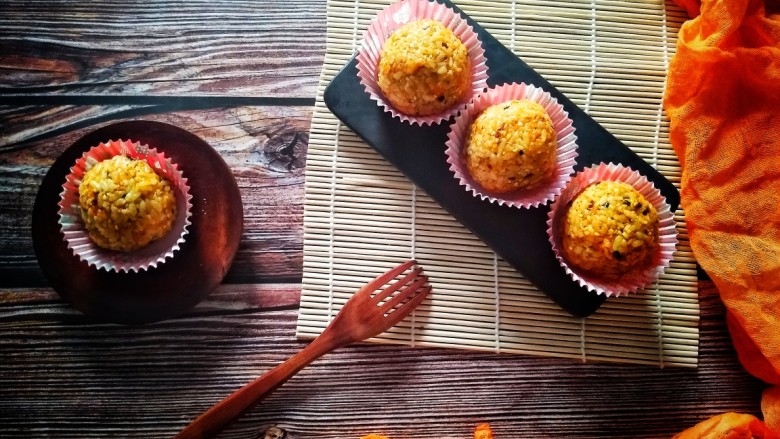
217 417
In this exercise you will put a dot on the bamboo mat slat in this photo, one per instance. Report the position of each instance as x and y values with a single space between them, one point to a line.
363 217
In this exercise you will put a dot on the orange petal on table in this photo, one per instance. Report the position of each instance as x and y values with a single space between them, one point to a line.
483 431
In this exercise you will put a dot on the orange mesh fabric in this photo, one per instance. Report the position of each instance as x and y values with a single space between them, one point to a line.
723 100
728 426
739 426
770 405
690 6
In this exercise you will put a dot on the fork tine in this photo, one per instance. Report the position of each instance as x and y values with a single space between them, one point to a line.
383 294
407 291
385 278
398 314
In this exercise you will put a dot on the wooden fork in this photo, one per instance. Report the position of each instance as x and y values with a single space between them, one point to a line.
372 310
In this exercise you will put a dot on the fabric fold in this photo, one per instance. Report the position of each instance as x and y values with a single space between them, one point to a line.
723 100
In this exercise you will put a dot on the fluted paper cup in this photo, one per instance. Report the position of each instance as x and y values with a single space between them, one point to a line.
566 146
638 278
147 257
393 17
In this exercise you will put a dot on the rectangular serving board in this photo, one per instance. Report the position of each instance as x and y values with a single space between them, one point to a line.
516 235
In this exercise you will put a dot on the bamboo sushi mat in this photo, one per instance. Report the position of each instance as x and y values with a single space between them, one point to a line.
362 216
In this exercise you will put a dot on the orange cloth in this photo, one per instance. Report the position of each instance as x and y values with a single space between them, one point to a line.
690 6
738 426
770 406
723 101
728 426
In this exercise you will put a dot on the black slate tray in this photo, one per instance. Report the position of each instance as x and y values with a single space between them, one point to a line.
517 235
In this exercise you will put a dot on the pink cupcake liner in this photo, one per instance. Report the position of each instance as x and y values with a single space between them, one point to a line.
566 149
667 233
393 17
153 254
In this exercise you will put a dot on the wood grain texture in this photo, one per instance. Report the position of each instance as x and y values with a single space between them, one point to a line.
264 146
26 122
149 381
204 47
64 375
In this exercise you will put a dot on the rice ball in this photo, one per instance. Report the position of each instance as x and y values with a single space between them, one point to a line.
610 229
125 205
511 146
424 69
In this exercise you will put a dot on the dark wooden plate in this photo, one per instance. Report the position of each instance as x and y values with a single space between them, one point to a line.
517 235
174 286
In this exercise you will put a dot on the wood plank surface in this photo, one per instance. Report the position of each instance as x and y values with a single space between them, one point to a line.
172 47
62 375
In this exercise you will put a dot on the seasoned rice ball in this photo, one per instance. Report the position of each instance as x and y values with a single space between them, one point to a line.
511 146
610 229
424 68
125 205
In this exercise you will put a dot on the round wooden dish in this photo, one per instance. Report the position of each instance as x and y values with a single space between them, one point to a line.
178 284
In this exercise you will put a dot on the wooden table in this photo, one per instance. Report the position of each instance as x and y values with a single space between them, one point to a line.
243 76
